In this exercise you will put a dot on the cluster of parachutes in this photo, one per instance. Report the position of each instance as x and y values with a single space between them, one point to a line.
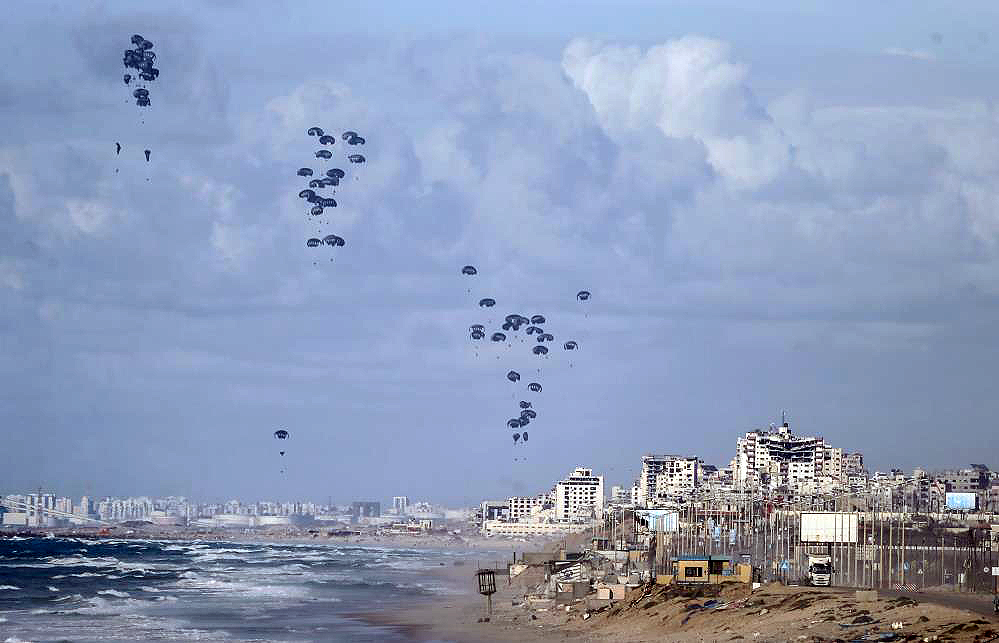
281 434
533 330
140 61
326 179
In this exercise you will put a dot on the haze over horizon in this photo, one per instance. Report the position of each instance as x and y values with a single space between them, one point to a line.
783 208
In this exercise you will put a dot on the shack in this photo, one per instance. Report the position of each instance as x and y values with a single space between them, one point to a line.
705 570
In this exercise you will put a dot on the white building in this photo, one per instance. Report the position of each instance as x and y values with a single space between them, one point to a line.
526 508
502 528
677 476
778 459
400 504
653 465
580 496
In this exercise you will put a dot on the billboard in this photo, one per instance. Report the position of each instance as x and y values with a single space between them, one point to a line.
828 527
966 501
661 519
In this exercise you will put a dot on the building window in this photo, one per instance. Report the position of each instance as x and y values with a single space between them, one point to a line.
692 572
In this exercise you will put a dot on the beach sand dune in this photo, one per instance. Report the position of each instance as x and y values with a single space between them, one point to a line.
769 614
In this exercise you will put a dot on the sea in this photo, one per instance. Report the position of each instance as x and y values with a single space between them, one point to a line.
67 589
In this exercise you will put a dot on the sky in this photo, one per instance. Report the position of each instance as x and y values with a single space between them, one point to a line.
782 208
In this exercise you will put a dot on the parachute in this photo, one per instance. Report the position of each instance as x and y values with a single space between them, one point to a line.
487 302
316 210
147 153
513 376
523 436
349 135
533 329
117 149
570 345
336 173
328 203
355 140
534 387
315 131
313 243
281 434
537 319
478 334
516 436
476 327
326 139
356 158
281 452
507 326
324 154
513 423
545 337
583 295
525 404
304 171
539 350
469 270
140 60
512 319
524 420
306 194
498 337
531 413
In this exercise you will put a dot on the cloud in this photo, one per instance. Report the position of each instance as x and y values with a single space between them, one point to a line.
918 54
685 88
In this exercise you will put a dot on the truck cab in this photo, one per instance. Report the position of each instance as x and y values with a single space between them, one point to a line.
820 570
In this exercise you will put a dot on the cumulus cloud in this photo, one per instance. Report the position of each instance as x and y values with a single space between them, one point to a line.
685 88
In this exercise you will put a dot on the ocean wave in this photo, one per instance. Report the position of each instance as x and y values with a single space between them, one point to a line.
9 587
14 639
68 597
52 589
113 592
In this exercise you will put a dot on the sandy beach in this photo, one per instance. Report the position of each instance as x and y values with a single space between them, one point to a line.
772 613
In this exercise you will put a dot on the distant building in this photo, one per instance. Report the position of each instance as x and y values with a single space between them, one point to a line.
579 496
360 510
681 472
525 508
678 476
494 510
503 528
854 463
779 459
400 504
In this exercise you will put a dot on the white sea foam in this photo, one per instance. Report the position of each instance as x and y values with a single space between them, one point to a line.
14 639
9 587
68 597
53 589
113 592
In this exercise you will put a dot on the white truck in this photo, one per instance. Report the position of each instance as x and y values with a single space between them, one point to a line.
820 569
